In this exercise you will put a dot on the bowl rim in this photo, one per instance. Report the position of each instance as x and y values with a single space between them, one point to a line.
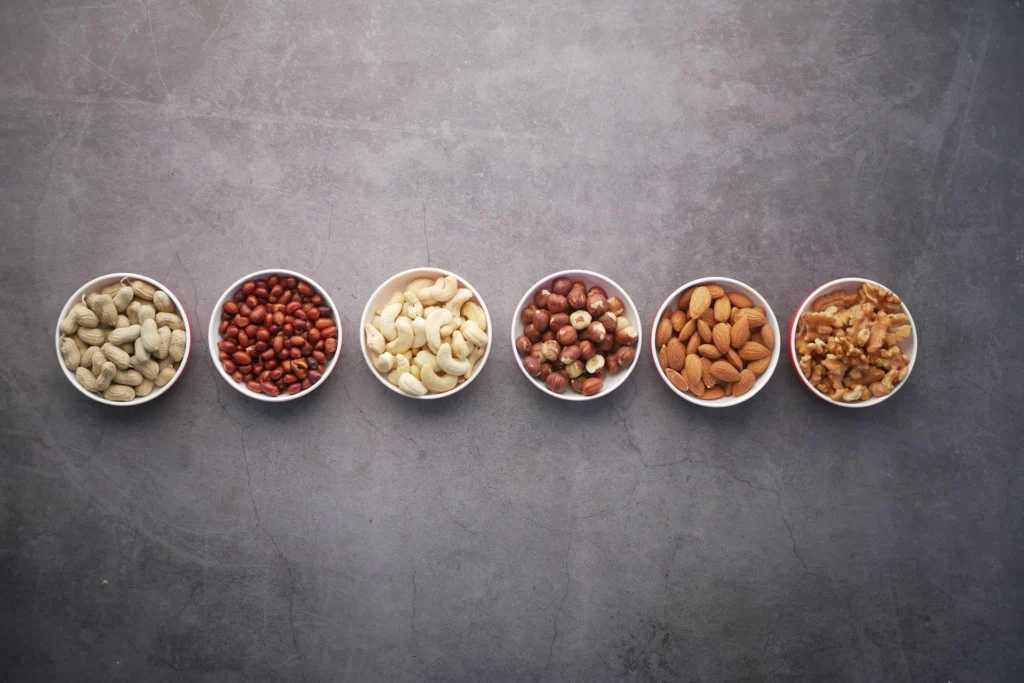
760 383
833 285
213 334
570 395
367 316
97 283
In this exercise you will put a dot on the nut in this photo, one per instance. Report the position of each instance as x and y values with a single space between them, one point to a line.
577 297
597 305
574 369
626 335
527 314
615 305
591 386
532 366
561 286
532 333
587 349
595 363
580 320
540 299
558 321
625 355
549 350
523 344
596 332
541 319
557 382
567 335
557 303
569 354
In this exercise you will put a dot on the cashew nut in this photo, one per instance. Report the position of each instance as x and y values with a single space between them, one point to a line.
419 332
475 355
437 318
459 346
473 334
401 368
416 285
454 305
384 362
471 311
442 290
425 358
374 339
434 382
415 371
412 308
411 385
387 320
449 363
403 342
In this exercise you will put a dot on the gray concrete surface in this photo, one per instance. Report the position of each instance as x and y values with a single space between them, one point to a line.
500 535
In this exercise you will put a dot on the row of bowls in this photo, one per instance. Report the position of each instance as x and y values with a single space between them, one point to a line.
399 281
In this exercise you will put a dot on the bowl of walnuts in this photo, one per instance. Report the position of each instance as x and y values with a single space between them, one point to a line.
715 342
575 335
853 343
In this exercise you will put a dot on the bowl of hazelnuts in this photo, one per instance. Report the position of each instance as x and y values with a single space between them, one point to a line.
575 335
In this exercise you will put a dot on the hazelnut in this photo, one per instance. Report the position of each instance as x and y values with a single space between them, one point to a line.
541 298
596 333
561 286
557 303
597 305
615 305
535 351
625 356
531 333
526 315
626 335
558 321
620 322
591 386
577 297
549 350
607 345
541 319
523 344
574 369
547 335
580 320
587 349
577 385
579 285
609 320
557 382
569 354
532 366
600 372
545 370
566 335
597 290
595 364
611 363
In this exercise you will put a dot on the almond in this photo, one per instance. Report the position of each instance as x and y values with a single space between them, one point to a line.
697 389
720 335
744 383
740 300
713 393
716 291
700 301
691 346
675 354
694 371
704 330
678 320
663 334
705 373
708 316
759 366
728 388
740 332
684 298
736 361
688 329
677 380
753 351
722 309
755 318
723 371
663 357
767 337
709 351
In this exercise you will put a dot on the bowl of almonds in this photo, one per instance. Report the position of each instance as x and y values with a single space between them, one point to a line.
715 342
853 343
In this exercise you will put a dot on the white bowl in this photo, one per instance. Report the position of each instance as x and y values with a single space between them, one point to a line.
213 334
397 283
95 286
590 279
729 285
909 345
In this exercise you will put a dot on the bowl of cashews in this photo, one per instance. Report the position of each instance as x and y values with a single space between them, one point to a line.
426 333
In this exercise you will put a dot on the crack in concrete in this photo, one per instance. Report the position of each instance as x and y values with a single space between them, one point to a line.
291 601
561 603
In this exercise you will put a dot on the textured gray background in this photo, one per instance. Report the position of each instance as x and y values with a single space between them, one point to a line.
501 535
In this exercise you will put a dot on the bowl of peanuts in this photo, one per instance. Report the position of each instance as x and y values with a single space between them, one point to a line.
275 335
123 339
715 342
853 342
